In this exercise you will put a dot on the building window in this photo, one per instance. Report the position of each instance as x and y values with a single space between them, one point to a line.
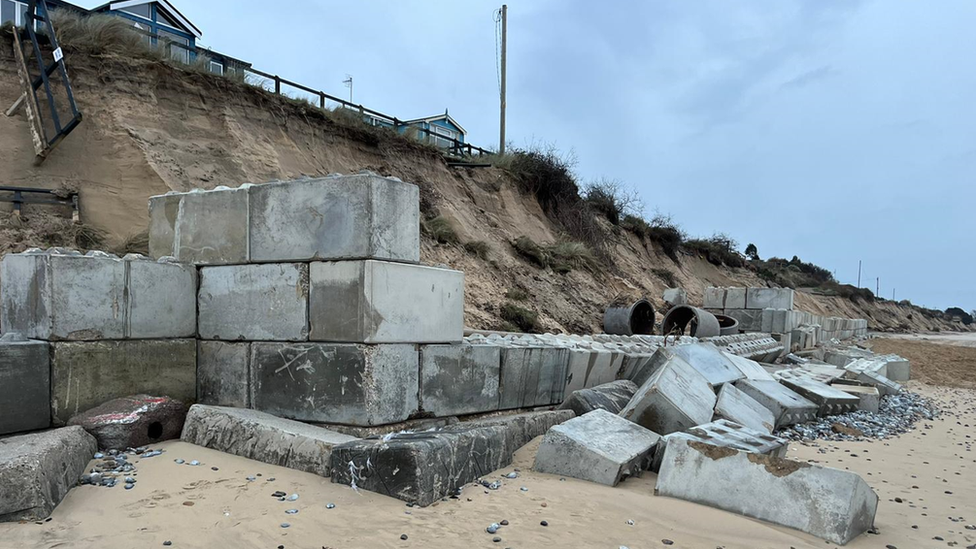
216 67
446 132
14 12
162 18
179 47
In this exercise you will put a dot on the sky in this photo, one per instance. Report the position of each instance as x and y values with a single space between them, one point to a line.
838 131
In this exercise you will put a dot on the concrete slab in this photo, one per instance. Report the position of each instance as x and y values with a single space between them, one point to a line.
131 422
599 446
676 397
829 503
787 407
224 373
459 379
267 302
346 217
335 383
38 469
85 374
884 385
831 401
612 397
769 298
710 362
25 384
749 368
384 302
869 398
200 227
737 406
726 434
263 437
532 376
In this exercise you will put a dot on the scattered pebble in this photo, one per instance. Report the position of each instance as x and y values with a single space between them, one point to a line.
524 489
496 539
292 512
667 542
292 497
630 522
330 506
194 463
544 523
214 469
512 475
897 414
504 523
403 536
179 461
167 543
285 525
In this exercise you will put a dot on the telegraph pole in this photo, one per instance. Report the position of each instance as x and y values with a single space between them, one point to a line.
877 288
858 273
501 136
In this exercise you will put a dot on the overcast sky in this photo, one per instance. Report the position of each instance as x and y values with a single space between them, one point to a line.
832 130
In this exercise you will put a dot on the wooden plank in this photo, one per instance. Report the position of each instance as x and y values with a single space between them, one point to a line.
33 113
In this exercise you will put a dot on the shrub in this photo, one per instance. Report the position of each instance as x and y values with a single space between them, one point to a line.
440 229
571 255
527 248
667 234
666 276
524 319
612 200
478 248
636 225
516 294
752 252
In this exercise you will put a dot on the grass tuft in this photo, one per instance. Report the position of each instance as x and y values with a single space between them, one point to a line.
478 248
440 229
524 319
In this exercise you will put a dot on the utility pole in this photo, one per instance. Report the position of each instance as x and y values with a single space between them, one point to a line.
858 273
892 294
877 289
348 83
501 134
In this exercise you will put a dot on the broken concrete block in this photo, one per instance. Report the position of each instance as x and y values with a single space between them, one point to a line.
869 398
727 434
676 397
38 469
831 401
520 429
25 384
130 422
254 302
599 446
737 406
769 298
420 424
85 374
200 227
348 217
384 302
532 376
612 397
710 362
787 407
459 379
334 382
588 366
829 503
263 437
161 298
224 373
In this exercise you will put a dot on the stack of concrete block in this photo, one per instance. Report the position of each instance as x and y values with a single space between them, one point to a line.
311 302
101 326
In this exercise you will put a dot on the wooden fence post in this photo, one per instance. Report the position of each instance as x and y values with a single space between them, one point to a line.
277 85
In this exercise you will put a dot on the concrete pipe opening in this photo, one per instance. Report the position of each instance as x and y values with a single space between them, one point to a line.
635 319
696 322
727 325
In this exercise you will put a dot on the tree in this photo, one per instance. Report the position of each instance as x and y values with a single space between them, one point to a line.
752 252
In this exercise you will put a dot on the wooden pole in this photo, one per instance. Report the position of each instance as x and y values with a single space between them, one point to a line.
501 136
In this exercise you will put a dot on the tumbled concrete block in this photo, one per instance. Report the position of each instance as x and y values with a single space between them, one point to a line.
263 437
38 469
735 405
599 446
710 362
85 374
25 384
828 503
588 367
532 376
384 302
134 421
520 429
843 357
884 385
750 368
419 424
162 300
897 368
349 217
612 397
769 298
335 383
676 397
200 227
727 434
787 407
224 373
254 302
869 398
459 379
831 401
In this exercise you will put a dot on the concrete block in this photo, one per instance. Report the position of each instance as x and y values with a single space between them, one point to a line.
131 422
710 362
38 469
676 397
675 296
885 386
520 429
85 374
200 227
735 298
831 401
384 302
869 398
612 397
897 368
750 368
842 357
162 300
787 407
714 298
874 364
725 434
263 437
349 217
532 376
769 298
335 383
737 406
254 302
224 373
459 379
588 367
25 384
599 446
419 424
829 503
750 320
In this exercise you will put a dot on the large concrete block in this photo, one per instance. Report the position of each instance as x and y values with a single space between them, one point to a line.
829 503
787 407
224 373
599 446
884 385
750 320
263 437
710 362
459 379
714 298
735 405
675 296
750 368
831 401
676 397
200 227
869 398
85 374
612 397
131 422
735 298
25 384
520 429
532 376
726 434
350 217
254 302
335 383
384 302
897 368
588 367
38 469
162 300
769 298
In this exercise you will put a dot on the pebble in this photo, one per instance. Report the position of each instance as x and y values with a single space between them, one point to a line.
99 455
512 475
292 497
496 539
130 480
194 463
285 525
630 522
251 479
667 542
492 528
504 523
524 489
330 506
129 486
896 415
179 461
403 536
167 543
544 523
214 469
279 494
292 512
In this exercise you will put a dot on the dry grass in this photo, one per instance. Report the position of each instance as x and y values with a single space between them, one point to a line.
440 229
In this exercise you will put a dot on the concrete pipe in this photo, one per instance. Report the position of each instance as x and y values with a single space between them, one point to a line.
637 319
727 325
699 322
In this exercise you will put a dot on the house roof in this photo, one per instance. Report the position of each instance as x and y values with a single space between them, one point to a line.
170 8
444 116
